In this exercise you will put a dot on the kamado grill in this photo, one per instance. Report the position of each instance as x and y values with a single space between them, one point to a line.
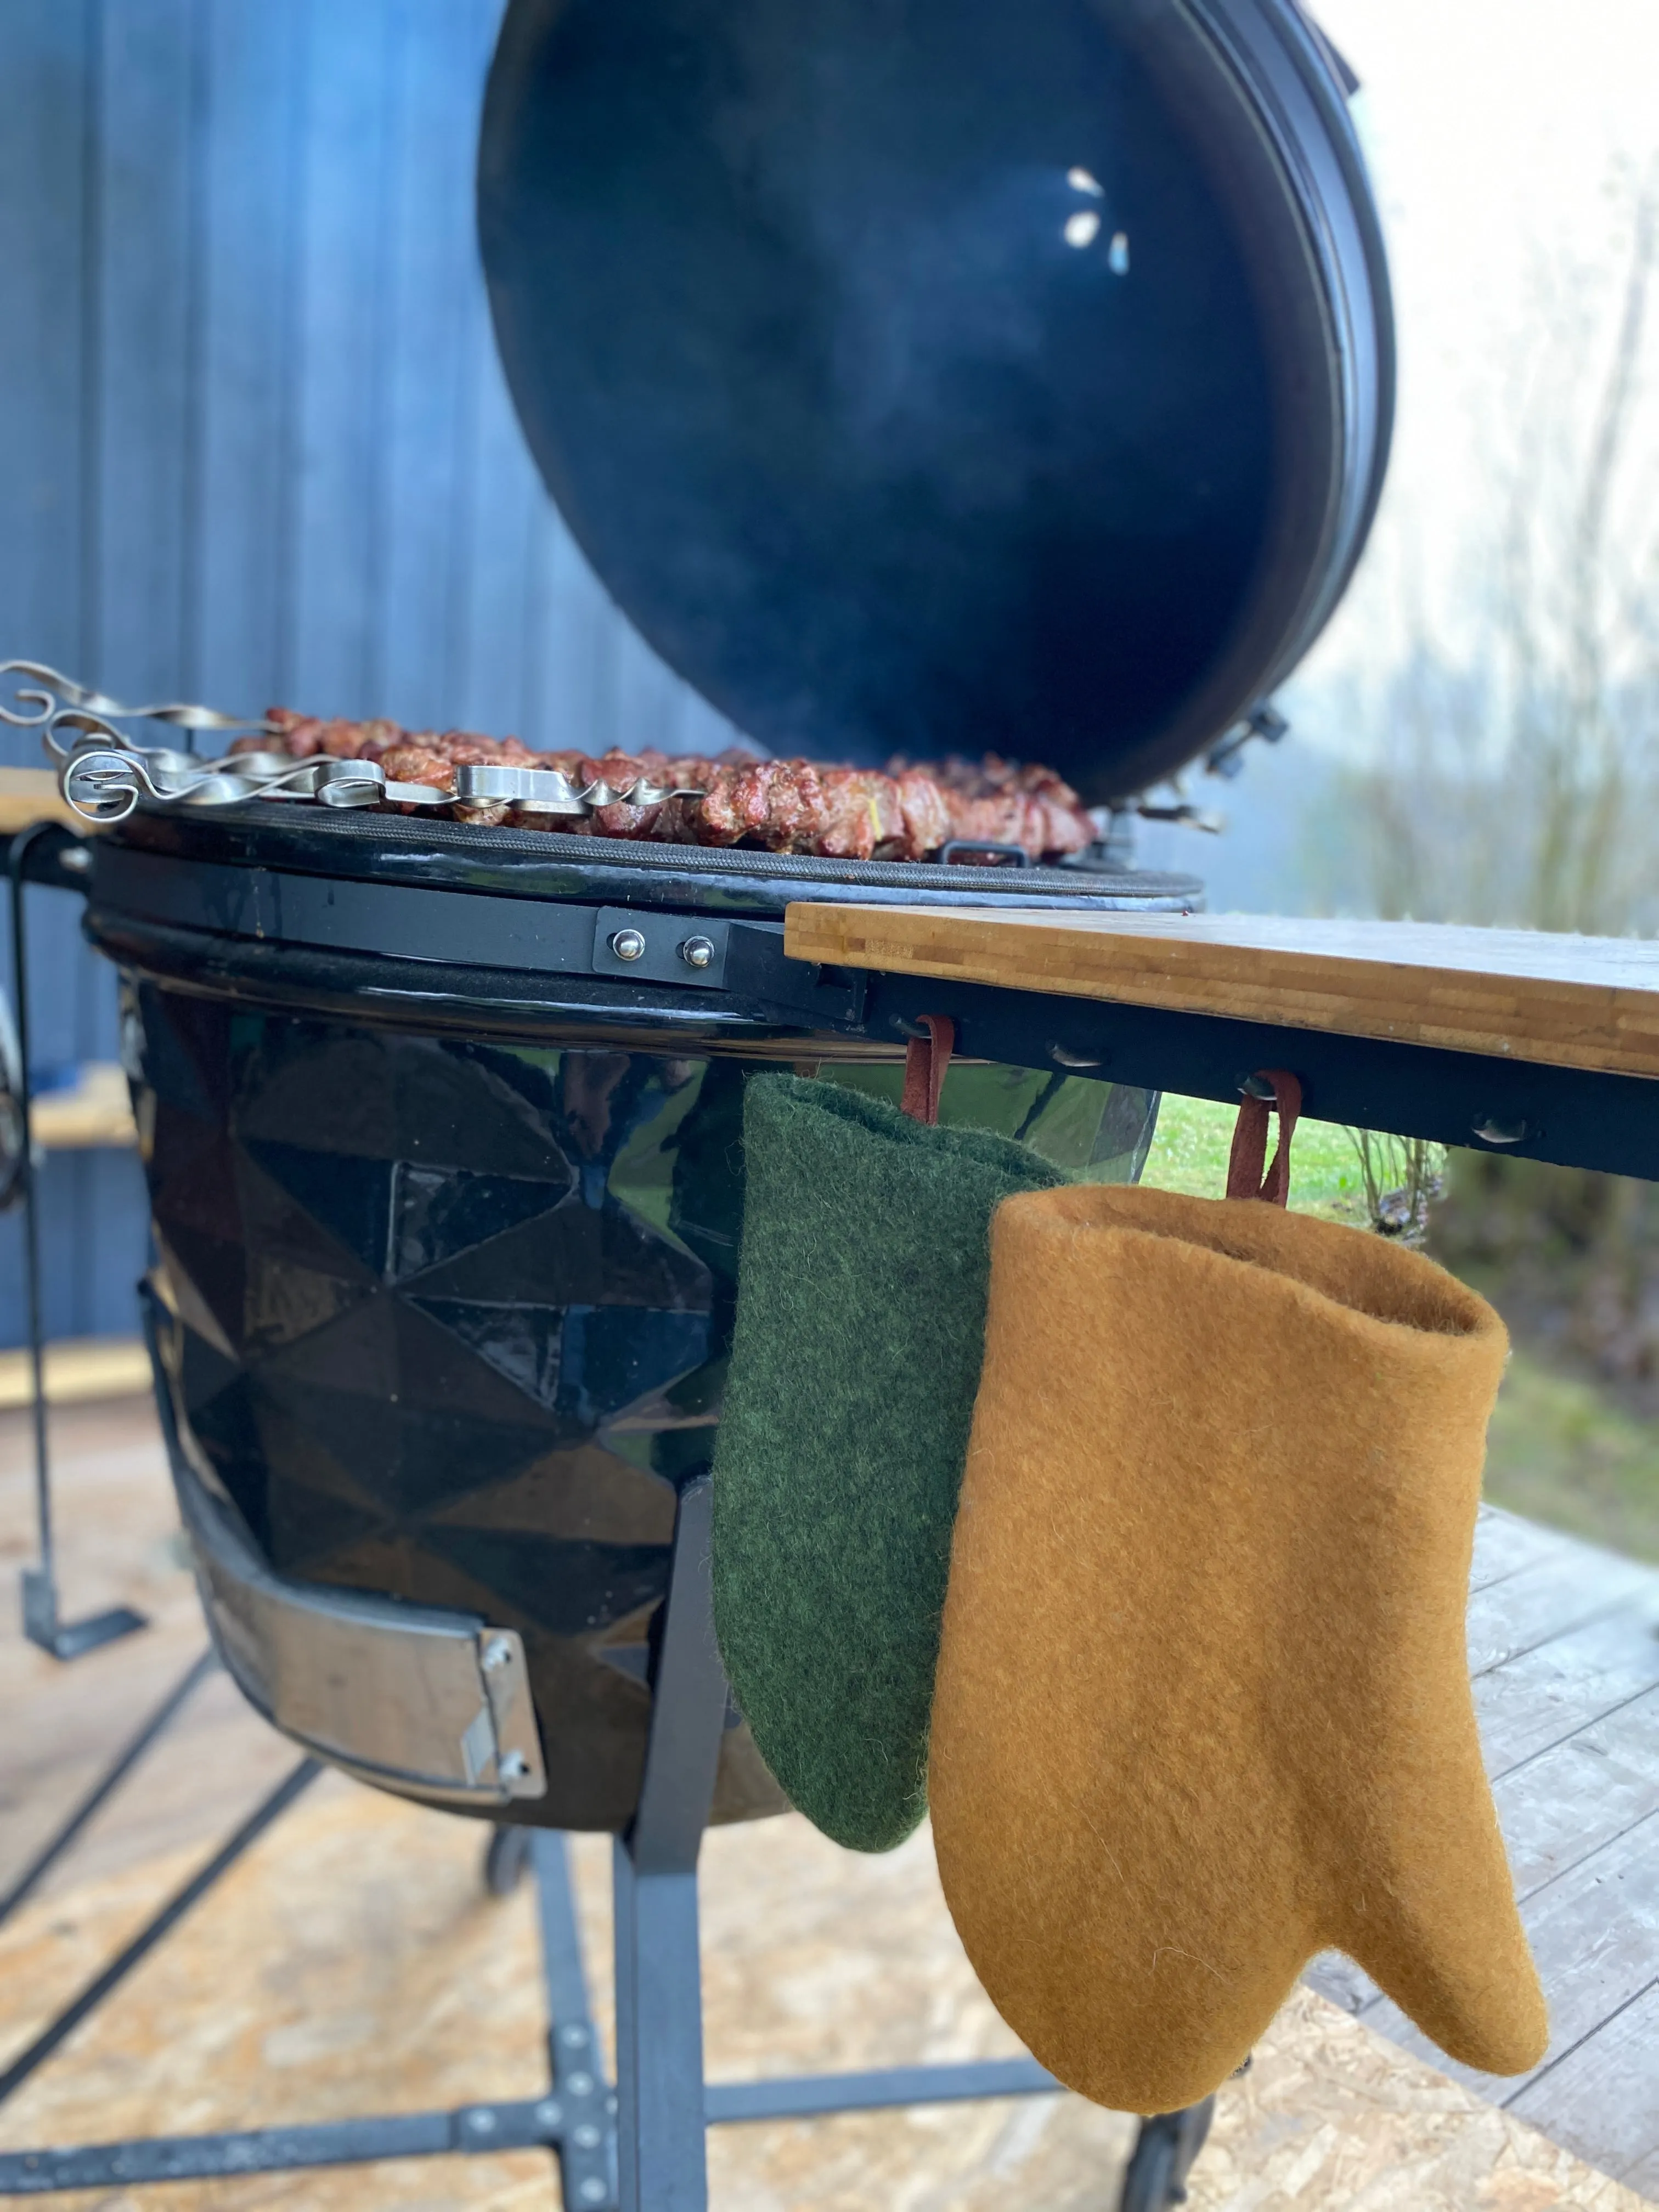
926 385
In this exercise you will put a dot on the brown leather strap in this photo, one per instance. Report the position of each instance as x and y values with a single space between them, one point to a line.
926 1059
1245 1178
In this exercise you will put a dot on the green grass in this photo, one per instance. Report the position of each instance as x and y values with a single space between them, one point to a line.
1189 1154
1561 1450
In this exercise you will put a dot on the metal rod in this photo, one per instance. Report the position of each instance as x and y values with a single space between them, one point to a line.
53 1850
662 2154
562 1943
18 852
522 2124
807 2095
150 1934
42 1623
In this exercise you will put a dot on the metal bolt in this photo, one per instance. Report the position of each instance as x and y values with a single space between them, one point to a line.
76 859
574 2038
588 2136
498 1653
593 2190
482 2124
513 1766
628 944
549 2114
697 952
1494 1132
580 2085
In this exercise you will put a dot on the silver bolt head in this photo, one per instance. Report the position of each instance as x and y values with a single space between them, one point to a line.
575 2037
588 2136
548 2113
628 944
697 952
498 1653
482 2124
580 2085
593 2190
513 1766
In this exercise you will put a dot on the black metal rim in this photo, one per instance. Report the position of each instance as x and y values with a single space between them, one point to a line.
533 864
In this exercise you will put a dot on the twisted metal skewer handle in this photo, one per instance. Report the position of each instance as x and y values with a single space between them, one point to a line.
60 691
104 776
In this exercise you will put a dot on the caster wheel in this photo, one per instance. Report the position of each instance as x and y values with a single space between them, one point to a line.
1156 2176
505 1856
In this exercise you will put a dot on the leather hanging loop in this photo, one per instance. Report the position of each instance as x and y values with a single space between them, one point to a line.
1274 1089
926 1059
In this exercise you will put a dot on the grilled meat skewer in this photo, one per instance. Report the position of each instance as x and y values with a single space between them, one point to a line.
906 813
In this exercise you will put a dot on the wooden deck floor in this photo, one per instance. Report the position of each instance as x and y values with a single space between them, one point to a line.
1564 1647
265 2005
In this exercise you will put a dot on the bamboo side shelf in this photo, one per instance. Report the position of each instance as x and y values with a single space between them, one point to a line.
1589 1003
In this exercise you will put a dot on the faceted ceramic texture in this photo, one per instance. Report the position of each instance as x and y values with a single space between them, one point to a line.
453 1320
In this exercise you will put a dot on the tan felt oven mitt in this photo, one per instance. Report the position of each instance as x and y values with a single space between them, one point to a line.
1203 1705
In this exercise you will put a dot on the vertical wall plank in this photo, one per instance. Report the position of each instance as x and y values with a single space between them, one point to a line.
503 533
439 52
239 527
43 63
340 354
144 239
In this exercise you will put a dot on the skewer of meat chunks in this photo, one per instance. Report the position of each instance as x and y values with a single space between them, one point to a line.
908 812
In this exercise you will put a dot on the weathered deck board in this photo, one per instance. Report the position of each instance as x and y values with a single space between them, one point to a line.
1503 1545
1548 1694
1564 1642
1555 1595
1602 2093
1568 1803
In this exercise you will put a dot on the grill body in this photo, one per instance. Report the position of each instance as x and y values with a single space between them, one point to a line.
447 1253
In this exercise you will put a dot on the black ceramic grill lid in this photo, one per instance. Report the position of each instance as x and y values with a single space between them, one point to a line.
937 375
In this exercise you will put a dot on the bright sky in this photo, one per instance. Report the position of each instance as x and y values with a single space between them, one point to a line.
1494 128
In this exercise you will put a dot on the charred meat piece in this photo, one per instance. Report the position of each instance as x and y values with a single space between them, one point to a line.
418 763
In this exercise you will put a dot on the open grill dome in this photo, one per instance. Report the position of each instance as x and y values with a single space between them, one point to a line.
965 377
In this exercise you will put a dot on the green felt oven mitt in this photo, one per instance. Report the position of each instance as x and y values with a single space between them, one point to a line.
860 1328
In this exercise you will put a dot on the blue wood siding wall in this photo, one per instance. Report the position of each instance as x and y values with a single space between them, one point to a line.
255 445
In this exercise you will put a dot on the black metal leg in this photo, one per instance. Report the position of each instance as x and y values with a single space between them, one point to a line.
661 2117
1165 2147
41 1622
505 1856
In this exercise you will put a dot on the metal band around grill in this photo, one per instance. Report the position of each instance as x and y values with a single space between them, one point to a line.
422 1699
